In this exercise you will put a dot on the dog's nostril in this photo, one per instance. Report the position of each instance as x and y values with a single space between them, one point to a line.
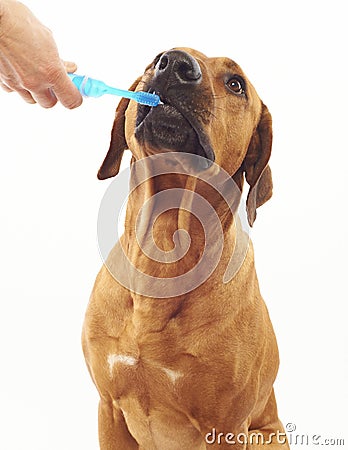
188 71
180 67
163 63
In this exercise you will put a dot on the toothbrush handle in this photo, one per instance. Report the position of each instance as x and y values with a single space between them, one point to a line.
90 87
77 80
145 98
121 92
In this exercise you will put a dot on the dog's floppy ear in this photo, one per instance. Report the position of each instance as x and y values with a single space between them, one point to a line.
257 171
118 144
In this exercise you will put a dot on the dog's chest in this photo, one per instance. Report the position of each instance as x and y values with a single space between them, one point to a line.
134 369
149 393
144 367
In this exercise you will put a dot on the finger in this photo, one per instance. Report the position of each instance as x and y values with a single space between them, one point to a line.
66 92
9 81
22 92
70 66
26 96
5 87
7 77
44 98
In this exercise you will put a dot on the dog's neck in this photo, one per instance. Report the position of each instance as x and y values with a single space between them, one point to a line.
164 257
175 225
171 207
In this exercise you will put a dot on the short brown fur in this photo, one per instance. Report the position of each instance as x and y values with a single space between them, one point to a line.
207 359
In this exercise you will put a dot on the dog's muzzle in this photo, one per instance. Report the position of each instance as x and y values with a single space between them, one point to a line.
178 123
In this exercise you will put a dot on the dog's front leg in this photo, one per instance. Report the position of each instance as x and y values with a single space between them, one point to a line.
266 431
113 431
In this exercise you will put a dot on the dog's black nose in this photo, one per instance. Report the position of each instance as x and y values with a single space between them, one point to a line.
179 66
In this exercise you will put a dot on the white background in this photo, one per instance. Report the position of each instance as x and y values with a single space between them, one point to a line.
295 54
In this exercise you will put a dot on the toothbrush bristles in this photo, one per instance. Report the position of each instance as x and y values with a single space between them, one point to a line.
146 98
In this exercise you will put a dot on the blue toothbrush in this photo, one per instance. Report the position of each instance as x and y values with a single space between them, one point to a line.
90 87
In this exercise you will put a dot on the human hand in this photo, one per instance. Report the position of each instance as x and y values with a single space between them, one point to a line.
29 59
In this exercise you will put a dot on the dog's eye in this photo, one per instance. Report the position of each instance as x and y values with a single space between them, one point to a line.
236 85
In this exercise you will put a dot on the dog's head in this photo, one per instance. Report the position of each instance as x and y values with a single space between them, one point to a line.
208 108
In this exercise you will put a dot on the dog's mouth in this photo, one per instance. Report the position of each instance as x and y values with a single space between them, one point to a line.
172 127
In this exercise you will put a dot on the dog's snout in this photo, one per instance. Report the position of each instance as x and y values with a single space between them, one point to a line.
180 66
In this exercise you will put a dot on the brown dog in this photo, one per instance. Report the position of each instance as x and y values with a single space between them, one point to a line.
186 363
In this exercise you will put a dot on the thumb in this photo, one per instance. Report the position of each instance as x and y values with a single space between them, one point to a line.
70 66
